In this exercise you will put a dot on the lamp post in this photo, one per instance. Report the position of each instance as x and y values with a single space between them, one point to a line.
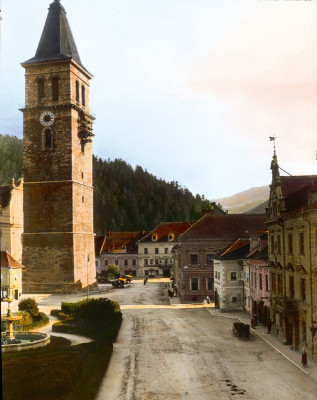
87 276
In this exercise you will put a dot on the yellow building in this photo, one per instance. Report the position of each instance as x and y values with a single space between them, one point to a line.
292 227
11 218
11 276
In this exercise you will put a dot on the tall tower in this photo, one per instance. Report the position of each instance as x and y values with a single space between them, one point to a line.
58 239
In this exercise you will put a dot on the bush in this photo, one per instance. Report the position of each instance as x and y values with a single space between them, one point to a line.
91 317
38 322
69 308
30 306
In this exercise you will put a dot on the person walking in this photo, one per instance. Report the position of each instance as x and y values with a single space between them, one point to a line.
269 326
304 358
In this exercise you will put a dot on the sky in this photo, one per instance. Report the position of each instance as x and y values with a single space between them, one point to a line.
190 90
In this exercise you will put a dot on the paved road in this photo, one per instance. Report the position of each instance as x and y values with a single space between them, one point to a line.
189 353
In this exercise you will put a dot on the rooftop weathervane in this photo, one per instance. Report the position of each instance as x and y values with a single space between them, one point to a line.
273 138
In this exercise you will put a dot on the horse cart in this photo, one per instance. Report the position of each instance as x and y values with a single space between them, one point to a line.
241 330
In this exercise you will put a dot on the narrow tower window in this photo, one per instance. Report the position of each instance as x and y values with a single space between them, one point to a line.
40 89
48 139
55 89
83 96
77 91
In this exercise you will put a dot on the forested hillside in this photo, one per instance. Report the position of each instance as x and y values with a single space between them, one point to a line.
124 198
11 158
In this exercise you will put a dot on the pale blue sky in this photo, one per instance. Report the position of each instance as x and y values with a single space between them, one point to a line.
190 90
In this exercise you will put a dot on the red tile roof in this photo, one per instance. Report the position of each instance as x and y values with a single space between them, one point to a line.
115 241
238 249
228 225
295 190
166 228
7 261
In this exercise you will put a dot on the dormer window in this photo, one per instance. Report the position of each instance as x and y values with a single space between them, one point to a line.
154 238
171 237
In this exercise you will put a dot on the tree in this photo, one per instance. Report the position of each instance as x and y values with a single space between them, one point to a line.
30 305
112 271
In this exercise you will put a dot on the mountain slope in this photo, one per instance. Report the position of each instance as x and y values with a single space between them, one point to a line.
252 199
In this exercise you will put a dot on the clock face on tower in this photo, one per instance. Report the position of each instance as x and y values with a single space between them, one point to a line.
47 118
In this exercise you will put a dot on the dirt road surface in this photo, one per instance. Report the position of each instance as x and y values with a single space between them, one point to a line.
172 352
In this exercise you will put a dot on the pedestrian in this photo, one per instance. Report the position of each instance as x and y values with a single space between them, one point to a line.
304 358
269 325
253 321
170 294
207 300
144 282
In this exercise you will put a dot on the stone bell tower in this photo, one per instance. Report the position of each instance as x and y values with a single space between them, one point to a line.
58 239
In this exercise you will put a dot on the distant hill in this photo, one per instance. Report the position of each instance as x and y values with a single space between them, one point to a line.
252 200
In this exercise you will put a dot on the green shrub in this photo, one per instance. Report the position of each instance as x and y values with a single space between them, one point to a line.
29 304
38 322
69 308
26 318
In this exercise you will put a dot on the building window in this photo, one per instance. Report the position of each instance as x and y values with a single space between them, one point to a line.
278 244
194 259
146 262
210 283
209 259
234 299
106 263
125 262
83 96
82 199
47 139
166 250
291 287
266 283
290 244
260 281
156 250
145 250
272 244
156 261
116 262
303 289
55 89
233 276
40 89
279 283
273 283
77 91
301 243
134 261
254 279
194 284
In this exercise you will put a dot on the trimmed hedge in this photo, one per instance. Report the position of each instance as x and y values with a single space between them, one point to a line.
38 322
99 319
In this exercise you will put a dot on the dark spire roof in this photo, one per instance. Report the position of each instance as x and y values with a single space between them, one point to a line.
57 42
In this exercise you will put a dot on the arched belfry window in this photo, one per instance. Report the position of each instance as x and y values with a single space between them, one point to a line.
47 139
77 91
40 89
55 88
83 96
